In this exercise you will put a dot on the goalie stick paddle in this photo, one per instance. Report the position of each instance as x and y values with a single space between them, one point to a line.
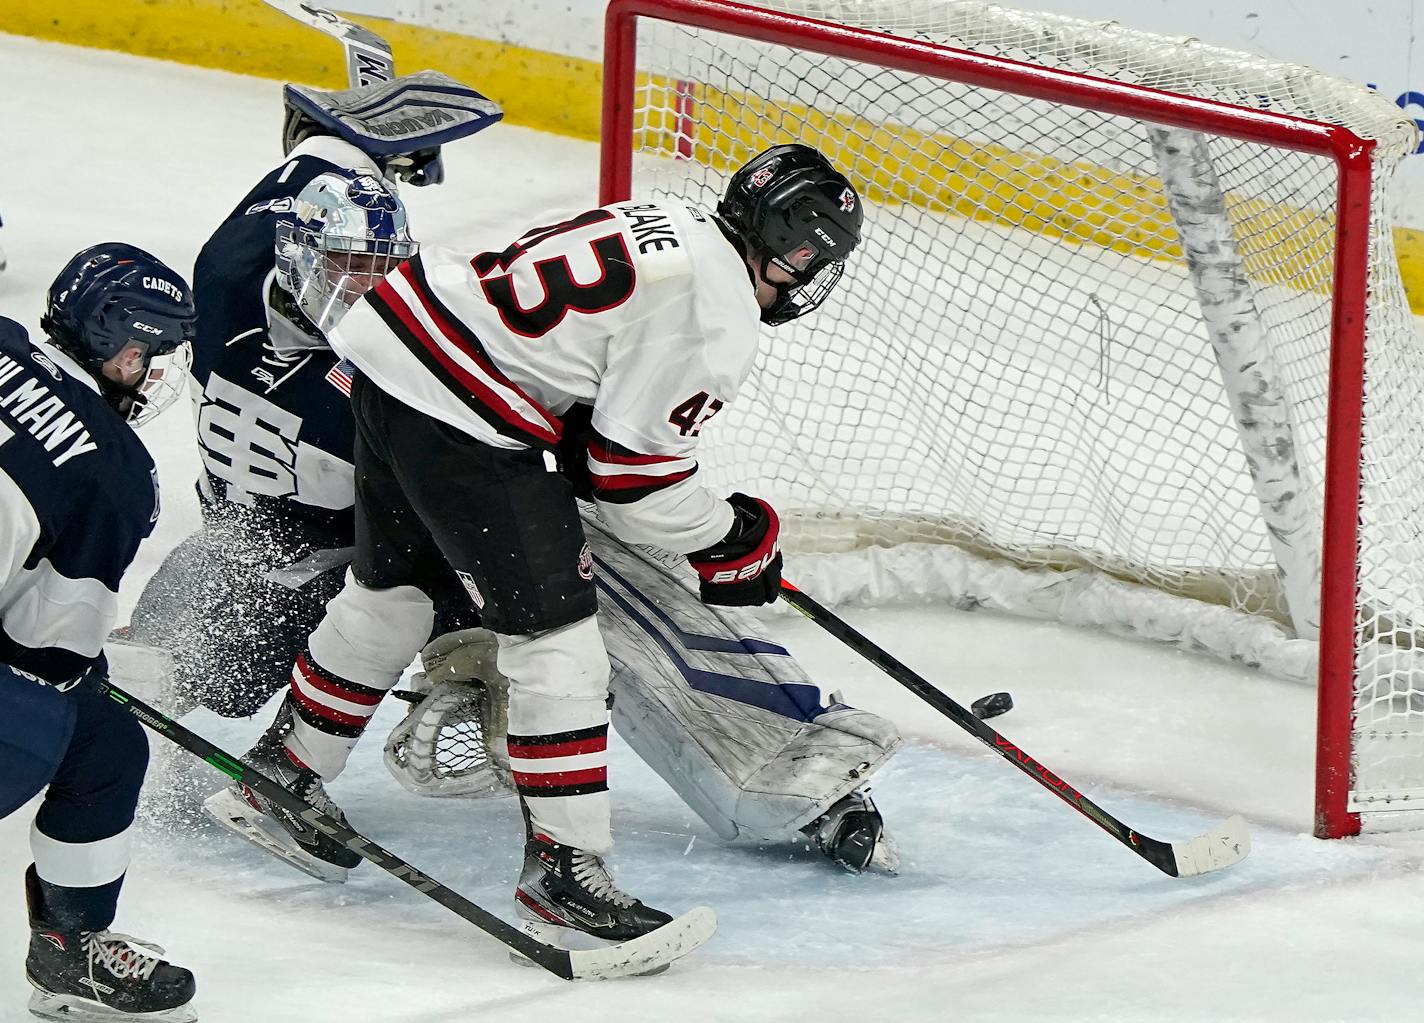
1222 846
653 951
368 56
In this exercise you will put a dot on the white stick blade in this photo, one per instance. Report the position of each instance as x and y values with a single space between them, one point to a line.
1222 846
652 951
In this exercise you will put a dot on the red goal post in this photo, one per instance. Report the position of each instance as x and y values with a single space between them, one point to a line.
627 118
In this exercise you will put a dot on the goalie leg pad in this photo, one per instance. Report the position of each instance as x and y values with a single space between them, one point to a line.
728 719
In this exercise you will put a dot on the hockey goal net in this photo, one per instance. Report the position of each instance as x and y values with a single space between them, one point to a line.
1125 343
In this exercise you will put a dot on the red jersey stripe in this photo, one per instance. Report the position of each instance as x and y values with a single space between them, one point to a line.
627 481
471 383
408 273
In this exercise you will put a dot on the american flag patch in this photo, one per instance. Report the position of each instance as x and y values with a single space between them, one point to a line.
339 376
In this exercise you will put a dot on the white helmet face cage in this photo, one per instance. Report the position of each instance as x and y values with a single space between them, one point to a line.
163 383
349 232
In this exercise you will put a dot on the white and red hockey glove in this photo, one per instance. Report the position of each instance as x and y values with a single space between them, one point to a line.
744 568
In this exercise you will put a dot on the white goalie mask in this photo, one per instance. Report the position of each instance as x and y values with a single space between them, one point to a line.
348 231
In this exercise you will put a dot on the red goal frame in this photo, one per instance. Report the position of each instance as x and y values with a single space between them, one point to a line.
1350 153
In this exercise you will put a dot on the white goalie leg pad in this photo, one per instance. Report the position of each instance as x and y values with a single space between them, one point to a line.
728 719
558 731
453 742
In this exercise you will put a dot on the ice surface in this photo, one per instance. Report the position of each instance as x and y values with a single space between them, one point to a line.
1008 904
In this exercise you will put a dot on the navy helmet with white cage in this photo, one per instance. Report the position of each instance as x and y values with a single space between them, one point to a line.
795 211
347 231
114 296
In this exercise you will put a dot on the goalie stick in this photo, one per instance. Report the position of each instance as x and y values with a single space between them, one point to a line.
653 951
368 56
1222 846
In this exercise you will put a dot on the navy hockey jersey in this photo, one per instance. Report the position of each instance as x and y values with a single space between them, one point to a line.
274 420
78 493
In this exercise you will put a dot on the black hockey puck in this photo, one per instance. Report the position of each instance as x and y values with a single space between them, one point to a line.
992 706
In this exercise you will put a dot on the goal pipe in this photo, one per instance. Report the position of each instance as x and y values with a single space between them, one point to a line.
1350 153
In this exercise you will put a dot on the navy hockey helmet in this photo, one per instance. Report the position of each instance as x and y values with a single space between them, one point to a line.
791 207
111 296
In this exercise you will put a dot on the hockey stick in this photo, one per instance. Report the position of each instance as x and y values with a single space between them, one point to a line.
368 56
652 951
1223 845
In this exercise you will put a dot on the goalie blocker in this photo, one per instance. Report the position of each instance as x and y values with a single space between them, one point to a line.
730 721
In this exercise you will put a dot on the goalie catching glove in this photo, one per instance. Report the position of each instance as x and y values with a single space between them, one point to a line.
744 568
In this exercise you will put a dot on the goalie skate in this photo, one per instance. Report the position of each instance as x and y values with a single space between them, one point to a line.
852 834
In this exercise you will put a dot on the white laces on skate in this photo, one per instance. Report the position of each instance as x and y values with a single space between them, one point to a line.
589 871
122 955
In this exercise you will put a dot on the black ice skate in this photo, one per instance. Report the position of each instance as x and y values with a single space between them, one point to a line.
852 834
566 897
281 833
100 976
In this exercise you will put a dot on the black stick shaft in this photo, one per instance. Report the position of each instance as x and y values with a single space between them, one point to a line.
1158 853
555 960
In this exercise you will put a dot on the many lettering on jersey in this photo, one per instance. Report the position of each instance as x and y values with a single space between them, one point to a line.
32 405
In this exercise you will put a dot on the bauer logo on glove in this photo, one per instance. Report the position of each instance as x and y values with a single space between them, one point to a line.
744 569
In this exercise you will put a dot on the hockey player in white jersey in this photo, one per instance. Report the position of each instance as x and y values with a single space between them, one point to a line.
466 365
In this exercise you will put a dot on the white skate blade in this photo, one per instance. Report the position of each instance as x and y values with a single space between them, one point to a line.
238 816
73 1009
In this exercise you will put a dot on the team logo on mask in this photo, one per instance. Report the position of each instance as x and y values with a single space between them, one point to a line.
585 563
369 194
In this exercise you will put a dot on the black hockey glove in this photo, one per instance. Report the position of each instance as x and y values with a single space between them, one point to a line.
744 569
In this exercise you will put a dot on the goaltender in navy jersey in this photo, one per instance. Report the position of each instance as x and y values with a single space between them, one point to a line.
78 493
642 310
274 416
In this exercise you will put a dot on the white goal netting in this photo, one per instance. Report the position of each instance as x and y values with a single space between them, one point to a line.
1022 363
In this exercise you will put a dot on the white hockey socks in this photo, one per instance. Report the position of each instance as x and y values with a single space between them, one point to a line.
558 732
355 656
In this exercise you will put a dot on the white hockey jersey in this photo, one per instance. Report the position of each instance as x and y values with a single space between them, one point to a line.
642 310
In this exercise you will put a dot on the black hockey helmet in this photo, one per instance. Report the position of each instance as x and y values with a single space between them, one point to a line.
791 207
111 296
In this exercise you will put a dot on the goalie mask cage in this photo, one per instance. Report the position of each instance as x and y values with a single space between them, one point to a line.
1125 341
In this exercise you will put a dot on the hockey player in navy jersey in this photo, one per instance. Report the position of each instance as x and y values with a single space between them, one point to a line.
472 372
274 422
78 492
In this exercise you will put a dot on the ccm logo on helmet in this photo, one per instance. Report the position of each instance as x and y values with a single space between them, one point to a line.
167 287
756 568
146 328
